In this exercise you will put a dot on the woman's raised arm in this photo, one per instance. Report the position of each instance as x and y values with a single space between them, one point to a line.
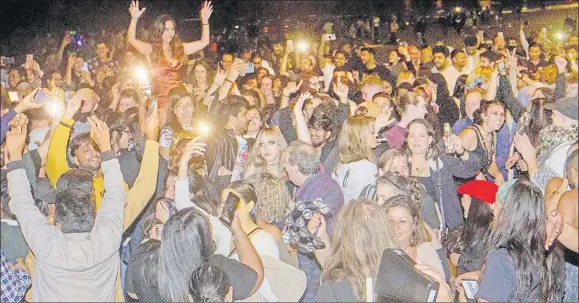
143 47
205 14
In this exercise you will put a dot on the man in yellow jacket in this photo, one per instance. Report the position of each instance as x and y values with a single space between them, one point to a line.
86 157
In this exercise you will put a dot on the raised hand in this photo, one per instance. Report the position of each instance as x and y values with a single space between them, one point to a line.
341 90
525 147
193 147
206 11
70 62
99 133
301 100
134 10
512 58
27 102
152 126
235 70
16 141
292 88
67 38
561 64
73 105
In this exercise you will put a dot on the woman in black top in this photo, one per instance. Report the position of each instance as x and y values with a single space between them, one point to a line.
481 138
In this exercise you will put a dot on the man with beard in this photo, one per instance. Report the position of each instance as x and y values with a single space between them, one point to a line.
370 67
470 48
322 130
82 151
332 66
442 65
227 150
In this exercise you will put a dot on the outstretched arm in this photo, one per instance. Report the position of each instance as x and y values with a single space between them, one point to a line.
143 47
193 47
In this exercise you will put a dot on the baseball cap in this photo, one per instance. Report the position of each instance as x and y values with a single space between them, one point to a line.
481 189
567 106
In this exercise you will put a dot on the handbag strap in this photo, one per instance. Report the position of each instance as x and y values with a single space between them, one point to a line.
439 183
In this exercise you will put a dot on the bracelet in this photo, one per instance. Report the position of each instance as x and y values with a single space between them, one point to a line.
205 23
285 96
228 80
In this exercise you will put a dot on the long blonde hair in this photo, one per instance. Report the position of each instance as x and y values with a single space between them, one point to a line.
352 144
256 163
361 235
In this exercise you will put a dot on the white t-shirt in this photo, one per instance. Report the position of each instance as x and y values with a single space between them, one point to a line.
353 177
265 245
450 75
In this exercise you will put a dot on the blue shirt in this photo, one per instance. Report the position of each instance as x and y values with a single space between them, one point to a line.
14 282
503 142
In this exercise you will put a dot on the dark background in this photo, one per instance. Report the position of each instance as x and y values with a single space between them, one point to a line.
23 20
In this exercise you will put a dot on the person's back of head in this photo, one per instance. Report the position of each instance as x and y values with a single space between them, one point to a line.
231 107
363 227
354 141
187 242
210 283
74 202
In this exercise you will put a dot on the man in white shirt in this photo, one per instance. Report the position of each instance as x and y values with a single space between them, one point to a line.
459 62
470 48
442 65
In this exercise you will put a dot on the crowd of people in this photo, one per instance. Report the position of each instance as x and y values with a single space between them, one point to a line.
164 170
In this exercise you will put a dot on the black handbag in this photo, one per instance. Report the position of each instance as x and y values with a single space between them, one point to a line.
399 281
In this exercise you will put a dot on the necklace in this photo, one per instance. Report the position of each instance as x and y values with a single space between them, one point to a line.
489 152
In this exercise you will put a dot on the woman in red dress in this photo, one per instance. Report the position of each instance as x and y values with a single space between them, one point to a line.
166 53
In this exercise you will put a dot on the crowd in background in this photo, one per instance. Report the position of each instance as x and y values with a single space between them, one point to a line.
121 156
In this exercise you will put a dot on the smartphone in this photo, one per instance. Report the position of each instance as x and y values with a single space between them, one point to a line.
502 66
501 34
249 70
290 43
330 37
470 288
229 208
152 106
40 97
481 34
544 31
403 44
29 57
13 96
84 66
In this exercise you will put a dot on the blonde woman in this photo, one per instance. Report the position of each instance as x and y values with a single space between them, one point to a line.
362 228
266 153
411 234
356 168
